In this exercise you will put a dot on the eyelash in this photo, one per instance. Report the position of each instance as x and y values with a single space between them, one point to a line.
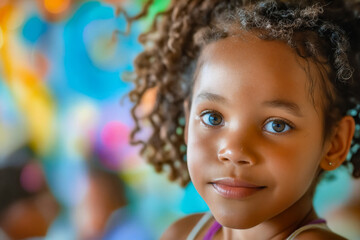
288 123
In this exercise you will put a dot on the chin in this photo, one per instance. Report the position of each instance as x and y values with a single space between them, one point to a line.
235 221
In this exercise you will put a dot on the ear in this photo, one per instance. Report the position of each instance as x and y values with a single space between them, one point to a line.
339 144
187 115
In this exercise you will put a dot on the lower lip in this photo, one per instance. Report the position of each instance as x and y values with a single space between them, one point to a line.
235 192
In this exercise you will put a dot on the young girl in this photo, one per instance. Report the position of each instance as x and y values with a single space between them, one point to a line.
255 101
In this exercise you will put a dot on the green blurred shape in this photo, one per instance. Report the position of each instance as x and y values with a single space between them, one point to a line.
156 7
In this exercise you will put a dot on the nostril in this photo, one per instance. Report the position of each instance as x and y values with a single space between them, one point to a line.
224 155
243 162
224 159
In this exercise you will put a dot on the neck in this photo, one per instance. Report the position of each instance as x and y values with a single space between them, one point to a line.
278 227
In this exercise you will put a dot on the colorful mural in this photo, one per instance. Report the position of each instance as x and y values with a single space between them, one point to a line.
62 93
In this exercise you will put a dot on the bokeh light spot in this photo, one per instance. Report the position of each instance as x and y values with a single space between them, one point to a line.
56 6
114 135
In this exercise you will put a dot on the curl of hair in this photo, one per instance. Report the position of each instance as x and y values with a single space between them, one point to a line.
324 32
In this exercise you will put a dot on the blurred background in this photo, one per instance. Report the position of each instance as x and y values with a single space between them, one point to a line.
67 170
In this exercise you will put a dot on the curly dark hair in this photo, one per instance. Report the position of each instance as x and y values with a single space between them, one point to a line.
326 33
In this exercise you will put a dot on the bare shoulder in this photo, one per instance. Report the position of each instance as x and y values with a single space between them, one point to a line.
182 227
319 234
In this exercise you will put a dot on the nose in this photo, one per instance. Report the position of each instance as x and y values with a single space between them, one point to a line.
238 148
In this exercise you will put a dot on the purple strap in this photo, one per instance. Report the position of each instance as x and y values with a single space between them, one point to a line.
317 221
216 226
212 231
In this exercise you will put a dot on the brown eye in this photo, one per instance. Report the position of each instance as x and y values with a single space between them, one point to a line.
277 126
212 119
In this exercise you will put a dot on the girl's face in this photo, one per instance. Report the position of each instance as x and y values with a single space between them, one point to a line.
254 137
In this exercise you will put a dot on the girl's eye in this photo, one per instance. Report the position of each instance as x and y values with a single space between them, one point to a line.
277 126
212 119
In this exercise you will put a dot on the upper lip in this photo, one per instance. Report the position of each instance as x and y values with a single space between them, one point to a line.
233 182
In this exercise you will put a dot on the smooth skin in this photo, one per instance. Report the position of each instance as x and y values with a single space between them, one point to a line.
253 120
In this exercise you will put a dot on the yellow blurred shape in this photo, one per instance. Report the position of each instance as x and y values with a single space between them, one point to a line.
56 6
38 107
16 18
29 91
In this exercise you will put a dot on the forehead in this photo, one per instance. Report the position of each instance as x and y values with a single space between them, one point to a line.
243 51
271 65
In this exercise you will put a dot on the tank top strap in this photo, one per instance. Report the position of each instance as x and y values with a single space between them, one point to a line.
307 227
200 224
212 231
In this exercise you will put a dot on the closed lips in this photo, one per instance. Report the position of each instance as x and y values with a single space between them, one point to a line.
235 189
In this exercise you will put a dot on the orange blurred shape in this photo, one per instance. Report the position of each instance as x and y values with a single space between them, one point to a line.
55 10
56 6
114 1
148 101
1 37
3 2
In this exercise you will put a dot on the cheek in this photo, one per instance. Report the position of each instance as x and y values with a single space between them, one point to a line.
298 162
201 151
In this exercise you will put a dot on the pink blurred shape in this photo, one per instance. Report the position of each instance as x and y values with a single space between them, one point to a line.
115 135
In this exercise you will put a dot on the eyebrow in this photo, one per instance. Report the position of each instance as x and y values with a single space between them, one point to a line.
290 107
212 97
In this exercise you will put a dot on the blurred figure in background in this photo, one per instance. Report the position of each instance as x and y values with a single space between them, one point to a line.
345 219
27 207
104 194
103 211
